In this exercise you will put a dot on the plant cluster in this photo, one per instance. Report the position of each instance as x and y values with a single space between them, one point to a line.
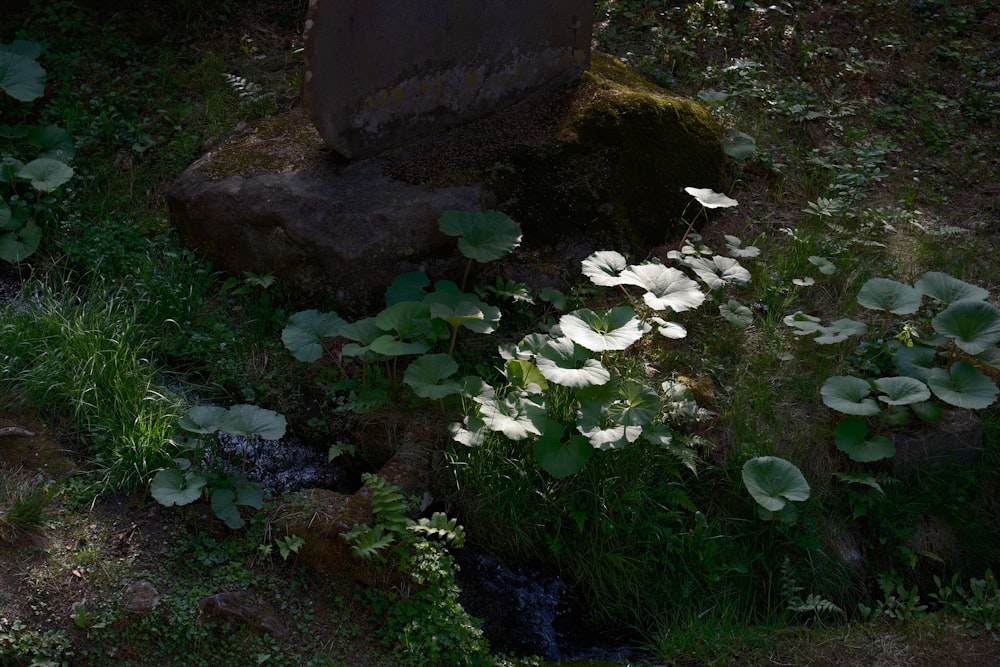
33 157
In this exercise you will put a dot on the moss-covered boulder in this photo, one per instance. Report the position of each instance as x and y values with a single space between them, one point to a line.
600 163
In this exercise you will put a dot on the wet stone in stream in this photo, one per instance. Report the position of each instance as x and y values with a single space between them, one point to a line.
287 465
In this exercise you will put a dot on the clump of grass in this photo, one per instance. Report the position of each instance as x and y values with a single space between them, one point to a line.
23 499
83 359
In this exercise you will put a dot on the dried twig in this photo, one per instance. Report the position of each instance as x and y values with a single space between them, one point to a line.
15 431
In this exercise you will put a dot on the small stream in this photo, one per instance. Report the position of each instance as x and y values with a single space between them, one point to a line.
287 465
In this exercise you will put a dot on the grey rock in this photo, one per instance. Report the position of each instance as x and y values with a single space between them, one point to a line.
238 608
379 74
142 596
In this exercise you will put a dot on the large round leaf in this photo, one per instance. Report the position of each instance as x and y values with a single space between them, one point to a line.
173 487
666 287
773 481
563 362
914 361
251 421
407 287
558 455
52 141
948 290
483 236
459 308
202 419
614 329
849 395
637 404
517 417
427 375
18 245
890 295
46 174
594 423
736 314
21 76
851 436
304 334
840 331
719 271
973 325
902 390
964 387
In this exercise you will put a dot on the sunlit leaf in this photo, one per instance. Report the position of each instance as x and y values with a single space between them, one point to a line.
736 314
471 432
719 271
563 362
517 417
605 268
615 329
672 330
733 246
710 198
666 287
636 405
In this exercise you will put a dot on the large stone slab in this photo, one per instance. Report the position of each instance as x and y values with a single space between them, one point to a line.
380 74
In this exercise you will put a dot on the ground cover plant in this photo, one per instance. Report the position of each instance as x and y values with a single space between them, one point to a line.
705 443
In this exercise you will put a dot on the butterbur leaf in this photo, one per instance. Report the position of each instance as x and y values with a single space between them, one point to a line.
964 387
667 287
840 331
304 334
773 482
929 412
736 314
902 390
407 287
525 375
21 76
719 271
18 245
554 296
738 145
804 282
946 289
593 422
849 395
914 361
825 266
733 246
605 268
615 329
202 419
171 487
973 325
251 421
515 417
672 330
637 404
224 506
851 438
459 308
890 295
863 478
562 362
558 455
483 236
471 432
710 198
427 376
46 174
53 141
802 323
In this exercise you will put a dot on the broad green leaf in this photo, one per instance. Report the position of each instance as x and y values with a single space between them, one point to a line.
303 335
946 289
802 323
18 245
736 314
412 321
459 308
902 390
484 236
637 404
563 362
427 374
914 361
53 142
615 329
250 496
851 438
964 387
849 395
666 287
864 478
363 331
171 487
203 419
224 506
710 198
773 481
251 421
558 455
929 412
407 287
606 268
46 174
738 145
5 214
898 415
21 76
554 296
890 295
392 346
825 266
719 271
840 331
990 357
973 325
525 375
9 167
517 417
